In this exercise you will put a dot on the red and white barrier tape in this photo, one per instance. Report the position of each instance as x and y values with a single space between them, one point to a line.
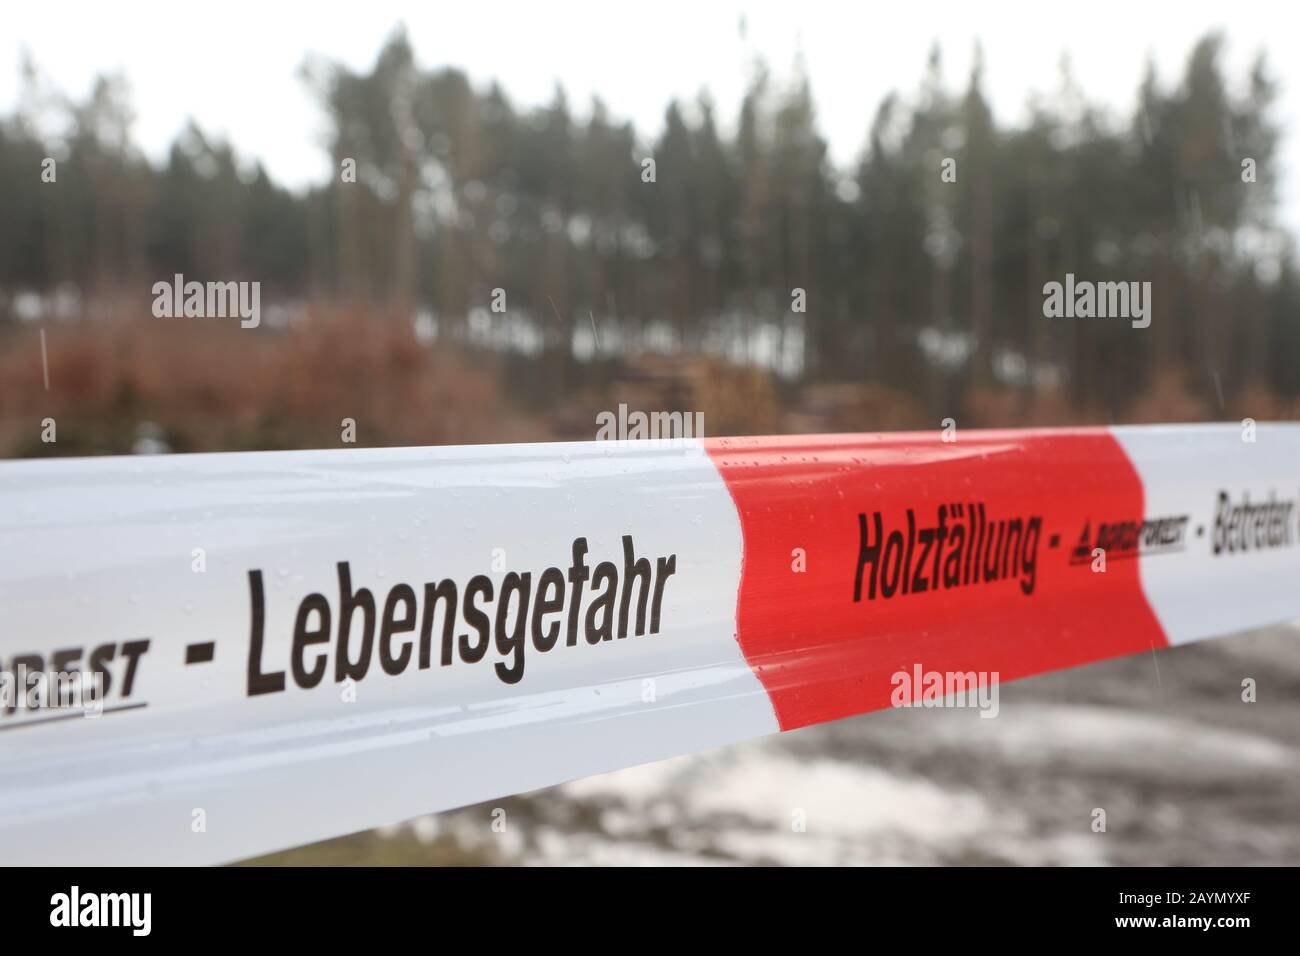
279 661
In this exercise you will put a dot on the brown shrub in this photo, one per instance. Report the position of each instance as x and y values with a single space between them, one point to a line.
853 407
214 386
1168 400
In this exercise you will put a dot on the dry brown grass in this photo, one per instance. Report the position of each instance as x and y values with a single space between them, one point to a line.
210 385
213 386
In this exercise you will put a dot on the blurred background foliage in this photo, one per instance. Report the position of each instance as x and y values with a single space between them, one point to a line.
924 297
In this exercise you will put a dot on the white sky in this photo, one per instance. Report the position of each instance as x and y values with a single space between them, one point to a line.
233 65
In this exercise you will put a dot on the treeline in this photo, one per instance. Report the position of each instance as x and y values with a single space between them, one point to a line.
921 267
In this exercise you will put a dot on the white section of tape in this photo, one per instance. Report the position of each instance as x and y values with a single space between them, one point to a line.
1194 592
100 552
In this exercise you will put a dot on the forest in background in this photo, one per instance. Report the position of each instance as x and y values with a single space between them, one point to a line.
923 297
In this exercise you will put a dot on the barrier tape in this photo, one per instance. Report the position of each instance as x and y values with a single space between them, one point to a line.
296 645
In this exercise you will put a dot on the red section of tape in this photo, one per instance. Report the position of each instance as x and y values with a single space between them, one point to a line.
1013 592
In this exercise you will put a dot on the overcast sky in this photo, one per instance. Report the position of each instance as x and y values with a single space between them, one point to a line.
233 65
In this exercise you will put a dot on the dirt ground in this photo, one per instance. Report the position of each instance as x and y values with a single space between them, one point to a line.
1185 770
